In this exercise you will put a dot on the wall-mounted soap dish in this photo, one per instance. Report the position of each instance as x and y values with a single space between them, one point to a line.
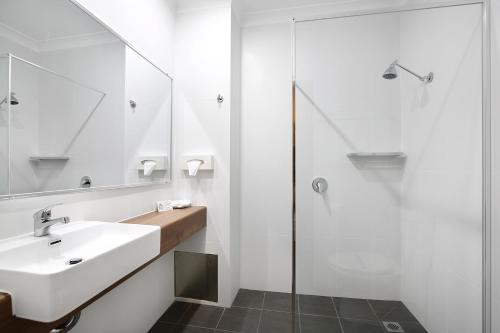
149 164
194 163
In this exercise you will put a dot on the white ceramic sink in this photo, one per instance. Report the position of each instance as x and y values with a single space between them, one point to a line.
44 287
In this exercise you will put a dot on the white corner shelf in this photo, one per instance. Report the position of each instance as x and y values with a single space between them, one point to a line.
393 154
49 158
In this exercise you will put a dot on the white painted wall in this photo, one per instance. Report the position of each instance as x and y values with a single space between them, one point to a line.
149 28
203 61
265 158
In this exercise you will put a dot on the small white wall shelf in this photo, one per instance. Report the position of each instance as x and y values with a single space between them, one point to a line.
37 158
395 154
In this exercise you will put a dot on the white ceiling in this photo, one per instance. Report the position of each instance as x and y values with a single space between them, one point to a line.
265 5
46 20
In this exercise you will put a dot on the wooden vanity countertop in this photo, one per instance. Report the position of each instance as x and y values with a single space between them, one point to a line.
176 226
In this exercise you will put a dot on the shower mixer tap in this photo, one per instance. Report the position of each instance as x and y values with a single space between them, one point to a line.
320 185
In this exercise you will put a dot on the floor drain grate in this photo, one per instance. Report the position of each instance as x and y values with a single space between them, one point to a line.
393 327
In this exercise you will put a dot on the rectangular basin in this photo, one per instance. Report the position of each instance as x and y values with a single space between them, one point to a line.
46 279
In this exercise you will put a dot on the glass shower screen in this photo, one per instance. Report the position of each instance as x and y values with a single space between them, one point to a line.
389 171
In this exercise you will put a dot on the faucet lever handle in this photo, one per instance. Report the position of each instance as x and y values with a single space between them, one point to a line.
45 213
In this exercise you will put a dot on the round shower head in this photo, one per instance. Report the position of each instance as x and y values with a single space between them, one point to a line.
13 99
391 72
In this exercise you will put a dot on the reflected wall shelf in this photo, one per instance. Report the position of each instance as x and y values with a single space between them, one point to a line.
37 158
393 154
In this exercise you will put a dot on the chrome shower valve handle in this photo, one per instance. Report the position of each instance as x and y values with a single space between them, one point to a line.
320 185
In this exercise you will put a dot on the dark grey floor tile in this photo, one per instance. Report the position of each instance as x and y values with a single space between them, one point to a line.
392 311
276 322
160 327
319 324
190 329
318 315
316 305
240 320
278 301
361 326
249 299
175 312
354 308
202 315
412 327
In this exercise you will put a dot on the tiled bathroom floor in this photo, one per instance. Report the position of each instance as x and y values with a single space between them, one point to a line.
270 312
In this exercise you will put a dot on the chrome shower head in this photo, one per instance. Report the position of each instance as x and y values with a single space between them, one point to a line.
392 73
13 99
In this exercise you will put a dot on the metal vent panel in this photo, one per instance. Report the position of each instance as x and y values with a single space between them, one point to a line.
196 275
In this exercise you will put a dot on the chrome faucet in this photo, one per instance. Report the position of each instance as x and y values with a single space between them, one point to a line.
43 220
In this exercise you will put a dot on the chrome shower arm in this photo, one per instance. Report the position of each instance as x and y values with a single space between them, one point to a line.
421 78
428 78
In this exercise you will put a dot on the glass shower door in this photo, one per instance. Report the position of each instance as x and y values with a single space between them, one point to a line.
389 171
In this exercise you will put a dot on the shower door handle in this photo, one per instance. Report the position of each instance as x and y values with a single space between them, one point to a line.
320 185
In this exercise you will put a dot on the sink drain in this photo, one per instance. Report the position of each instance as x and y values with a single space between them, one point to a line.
74 261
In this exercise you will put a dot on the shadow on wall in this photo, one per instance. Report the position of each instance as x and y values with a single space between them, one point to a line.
421 100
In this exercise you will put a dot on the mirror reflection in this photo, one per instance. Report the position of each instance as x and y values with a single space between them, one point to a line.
76 104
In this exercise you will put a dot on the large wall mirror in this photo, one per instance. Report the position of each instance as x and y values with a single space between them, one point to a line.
79 108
